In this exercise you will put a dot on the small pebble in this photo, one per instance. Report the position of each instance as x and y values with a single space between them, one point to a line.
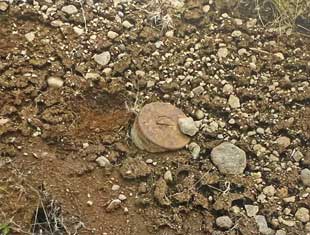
251 210
103 161
102 58
168 176
122 197
30 36
70 9
115 187
194 148
188 126
112 35
269 191
127 24
302 214
55 82
114 204
224 222
234 101
305 177
89 203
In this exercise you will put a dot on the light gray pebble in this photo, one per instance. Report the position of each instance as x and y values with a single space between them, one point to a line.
69 9
122 197
305 177
115 187
188 126
55 82
251 210
102 58
262 225
194 148
103 161
224 222
168 176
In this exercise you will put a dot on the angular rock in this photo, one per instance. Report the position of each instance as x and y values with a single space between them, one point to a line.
78 30
102 58
30 36
112 35
262 225
269 191
251 210
234 102
229 158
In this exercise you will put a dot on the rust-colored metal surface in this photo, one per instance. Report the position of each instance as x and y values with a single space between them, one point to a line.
156 128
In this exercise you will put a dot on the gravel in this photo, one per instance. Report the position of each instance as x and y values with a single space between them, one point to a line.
229 158
224 222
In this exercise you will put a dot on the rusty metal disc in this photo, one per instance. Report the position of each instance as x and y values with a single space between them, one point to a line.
156 128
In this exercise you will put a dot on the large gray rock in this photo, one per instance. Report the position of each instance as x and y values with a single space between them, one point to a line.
229 158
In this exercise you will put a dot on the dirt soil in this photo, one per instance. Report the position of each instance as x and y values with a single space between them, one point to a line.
194 56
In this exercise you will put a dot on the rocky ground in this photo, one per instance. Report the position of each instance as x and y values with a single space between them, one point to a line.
74 74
